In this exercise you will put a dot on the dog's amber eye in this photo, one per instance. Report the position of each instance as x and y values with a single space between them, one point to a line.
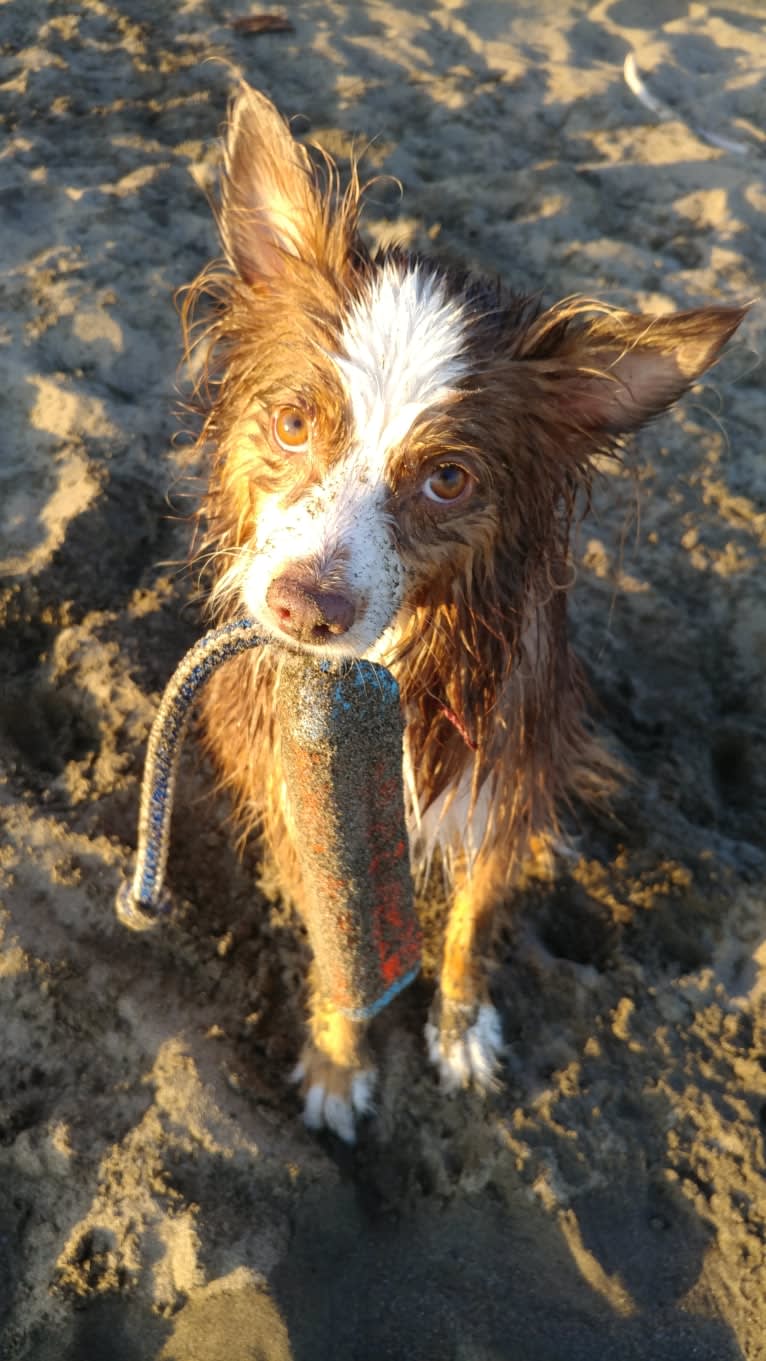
291 428
448 483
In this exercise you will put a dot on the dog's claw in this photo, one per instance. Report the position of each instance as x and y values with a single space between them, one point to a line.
334 1097
466 1046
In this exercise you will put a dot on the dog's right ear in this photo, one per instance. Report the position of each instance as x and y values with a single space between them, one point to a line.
270 209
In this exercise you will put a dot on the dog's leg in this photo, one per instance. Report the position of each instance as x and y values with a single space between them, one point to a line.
335 1071
464 1035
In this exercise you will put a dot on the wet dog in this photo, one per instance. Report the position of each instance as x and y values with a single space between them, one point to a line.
399 454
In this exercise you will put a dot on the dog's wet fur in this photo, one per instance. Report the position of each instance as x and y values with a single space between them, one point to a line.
400 451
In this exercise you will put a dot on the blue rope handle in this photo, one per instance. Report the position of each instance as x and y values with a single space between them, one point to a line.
143 900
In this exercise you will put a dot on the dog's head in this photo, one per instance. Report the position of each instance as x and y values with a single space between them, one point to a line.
394 438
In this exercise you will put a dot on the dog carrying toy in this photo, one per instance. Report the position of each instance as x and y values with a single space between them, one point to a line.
341 729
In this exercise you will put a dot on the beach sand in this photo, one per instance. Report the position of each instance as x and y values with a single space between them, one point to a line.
159 1195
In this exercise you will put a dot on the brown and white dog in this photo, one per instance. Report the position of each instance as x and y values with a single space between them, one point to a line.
399 451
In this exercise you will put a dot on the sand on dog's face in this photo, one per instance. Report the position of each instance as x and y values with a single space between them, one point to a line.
158 1195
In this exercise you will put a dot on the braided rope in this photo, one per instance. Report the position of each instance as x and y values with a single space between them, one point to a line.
143 900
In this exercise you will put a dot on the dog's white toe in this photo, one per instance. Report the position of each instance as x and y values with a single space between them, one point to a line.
326 1107
468 1057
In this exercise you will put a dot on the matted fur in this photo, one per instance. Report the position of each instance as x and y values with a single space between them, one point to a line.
493 696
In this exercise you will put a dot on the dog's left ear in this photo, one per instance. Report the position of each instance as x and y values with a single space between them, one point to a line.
270 207
620 369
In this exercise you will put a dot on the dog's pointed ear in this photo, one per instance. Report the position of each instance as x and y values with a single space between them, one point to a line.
270 208
620 369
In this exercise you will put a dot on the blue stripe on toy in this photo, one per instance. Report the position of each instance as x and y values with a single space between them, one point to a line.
367 1013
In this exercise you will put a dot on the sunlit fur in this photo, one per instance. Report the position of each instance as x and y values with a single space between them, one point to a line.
403 366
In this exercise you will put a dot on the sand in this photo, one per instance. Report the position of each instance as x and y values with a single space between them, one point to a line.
159 1196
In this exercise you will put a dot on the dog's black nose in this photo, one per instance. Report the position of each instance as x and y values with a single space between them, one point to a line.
306 612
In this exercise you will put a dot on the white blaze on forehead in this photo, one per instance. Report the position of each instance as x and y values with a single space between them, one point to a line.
402 350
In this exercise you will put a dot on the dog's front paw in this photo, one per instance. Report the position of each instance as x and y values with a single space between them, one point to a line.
465 1042
334 1096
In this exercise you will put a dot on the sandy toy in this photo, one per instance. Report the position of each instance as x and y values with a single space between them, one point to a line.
342 752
